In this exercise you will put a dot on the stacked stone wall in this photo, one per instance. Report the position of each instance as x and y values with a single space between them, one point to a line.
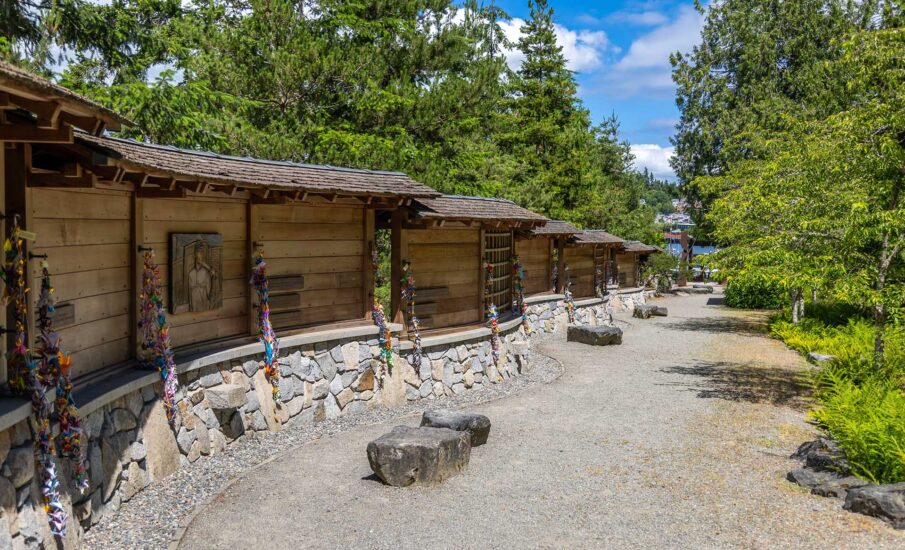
129 444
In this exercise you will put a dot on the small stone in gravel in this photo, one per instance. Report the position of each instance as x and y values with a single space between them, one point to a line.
407 455
477 425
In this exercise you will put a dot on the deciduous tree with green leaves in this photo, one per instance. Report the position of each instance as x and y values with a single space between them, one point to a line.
823 203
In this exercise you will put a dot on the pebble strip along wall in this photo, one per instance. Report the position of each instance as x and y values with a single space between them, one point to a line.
129 442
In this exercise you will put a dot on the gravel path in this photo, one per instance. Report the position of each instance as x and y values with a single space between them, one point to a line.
677 438
154 517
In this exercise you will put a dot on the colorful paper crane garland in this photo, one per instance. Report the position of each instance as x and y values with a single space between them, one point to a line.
39 377
492 315
14 292
518 283
384 336
568 299
54 369
268 338
598 280
53 372
408 295
155 346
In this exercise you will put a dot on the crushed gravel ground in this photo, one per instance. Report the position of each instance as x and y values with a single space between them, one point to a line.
154 516
678 438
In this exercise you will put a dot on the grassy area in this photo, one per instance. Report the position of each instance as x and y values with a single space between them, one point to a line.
860 406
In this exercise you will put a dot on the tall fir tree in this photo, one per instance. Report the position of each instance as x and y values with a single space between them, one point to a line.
550 129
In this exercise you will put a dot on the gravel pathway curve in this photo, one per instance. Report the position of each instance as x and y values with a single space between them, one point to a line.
154 517
678 438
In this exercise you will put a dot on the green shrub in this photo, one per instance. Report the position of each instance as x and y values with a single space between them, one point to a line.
851 344
753 290
868 422
862 408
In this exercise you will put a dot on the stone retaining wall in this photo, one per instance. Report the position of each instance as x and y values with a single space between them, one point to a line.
129 444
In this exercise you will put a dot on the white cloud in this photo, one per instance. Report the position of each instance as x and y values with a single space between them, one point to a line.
645 18
584 50
645 69
655 158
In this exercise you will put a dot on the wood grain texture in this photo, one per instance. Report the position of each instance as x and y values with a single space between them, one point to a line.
447 264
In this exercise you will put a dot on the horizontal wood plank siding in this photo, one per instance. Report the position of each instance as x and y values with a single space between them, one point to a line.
163 217
86 234
580 260
326 246
627 264
537 262
447 258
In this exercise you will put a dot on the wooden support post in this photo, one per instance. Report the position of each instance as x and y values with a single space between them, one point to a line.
482 274
367 268
560 265
137 263
251 236
3 228
396 257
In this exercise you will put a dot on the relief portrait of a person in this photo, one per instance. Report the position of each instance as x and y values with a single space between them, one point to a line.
200 281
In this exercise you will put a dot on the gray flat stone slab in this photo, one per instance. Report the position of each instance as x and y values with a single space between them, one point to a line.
594 336
422 456
477 425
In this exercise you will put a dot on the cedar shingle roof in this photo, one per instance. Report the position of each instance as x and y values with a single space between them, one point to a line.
554 228
461 208
249 172
23 83
638 246
597 236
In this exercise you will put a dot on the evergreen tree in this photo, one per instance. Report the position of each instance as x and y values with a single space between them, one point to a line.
550 131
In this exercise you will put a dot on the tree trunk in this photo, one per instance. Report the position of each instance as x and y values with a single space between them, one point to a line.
800 304
813 295
795 295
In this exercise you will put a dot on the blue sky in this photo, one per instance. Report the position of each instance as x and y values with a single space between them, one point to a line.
620 52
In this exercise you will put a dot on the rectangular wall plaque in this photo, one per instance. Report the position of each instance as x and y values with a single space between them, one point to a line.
63 315
286 282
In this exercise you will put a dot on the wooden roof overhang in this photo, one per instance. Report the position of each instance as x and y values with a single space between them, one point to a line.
154 171
640 248
457 211
596 238
35 110
552 229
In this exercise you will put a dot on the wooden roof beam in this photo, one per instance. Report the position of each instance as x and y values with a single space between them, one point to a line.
79 178
157 193
23 133
46 112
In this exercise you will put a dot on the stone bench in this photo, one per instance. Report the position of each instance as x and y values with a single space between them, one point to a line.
646 311
594 336
407 456
477 425
704 289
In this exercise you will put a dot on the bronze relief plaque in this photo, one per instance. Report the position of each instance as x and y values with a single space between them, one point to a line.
196 268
